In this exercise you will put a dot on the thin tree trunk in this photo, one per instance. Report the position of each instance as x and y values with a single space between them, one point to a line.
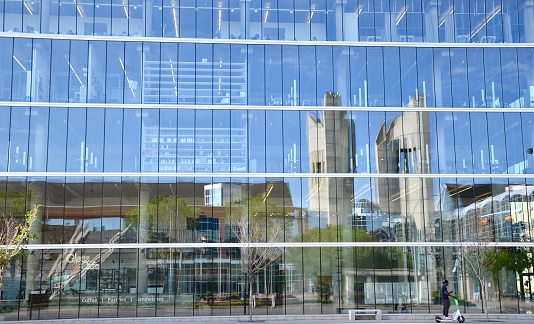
1 284
250 298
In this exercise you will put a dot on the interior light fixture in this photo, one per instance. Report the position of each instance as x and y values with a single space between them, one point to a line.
489 17
28 8
22 66
79 10
311 13
401 14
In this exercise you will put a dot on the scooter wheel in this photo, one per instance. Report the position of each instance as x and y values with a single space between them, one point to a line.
437 319
461 319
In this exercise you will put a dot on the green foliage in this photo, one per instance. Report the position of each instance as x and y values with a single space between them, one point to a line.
14 233
6 309
516 259
322 260
161 211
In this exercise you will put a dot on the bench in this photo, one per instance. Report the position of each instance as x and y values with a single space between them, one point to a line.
377 313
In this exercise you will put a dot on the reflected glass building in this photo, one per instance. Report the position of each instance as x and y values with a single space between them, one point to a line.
391 132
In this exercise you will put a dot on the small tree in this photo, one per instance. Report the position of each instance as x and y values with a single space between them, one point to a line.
14 233
255 221
478 252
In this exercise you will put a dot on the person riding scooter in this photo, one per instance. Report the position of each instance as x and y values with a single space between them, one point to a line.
445 293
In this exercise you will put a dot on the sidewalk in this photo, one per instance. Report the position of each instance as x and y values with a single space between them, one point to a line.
296 319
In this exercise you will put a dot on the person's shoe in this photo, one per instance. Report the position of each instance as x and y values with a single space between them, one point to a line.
448 318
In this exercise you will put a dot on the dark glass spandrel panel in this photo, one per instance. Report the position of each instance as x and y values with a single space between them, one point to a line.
57 139
6 69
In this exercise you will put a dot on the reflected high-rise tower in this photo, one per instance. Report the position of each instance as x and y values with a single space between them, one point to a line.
330 138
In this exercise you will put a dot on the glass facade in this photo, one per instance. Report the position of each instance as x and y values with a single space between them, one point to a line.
371 142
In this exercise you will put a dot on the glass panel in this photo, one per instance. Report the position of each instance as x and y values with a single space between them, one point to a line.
57 140
5 147
78 62
59 72
7 69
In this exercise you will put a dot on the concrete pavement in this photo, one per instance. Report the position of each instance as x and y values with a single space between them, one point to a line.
296 319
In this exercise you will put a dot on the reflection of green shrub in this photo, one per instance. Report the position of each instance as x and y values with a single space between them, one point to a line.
6 309
324 293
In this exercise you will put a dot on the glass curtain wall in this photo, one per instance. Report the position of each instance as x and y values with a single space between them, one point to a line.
159 138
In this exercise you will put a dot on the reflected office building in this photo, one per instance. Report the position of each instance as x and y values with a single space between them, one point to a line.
373 141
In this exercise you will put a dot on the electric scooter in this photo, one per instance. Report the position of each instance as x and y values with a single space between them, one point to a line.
455 317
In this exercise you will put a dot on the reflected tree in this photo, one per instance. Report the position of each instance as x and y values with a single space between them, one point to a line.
478 253
165 220
257 220
14 233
